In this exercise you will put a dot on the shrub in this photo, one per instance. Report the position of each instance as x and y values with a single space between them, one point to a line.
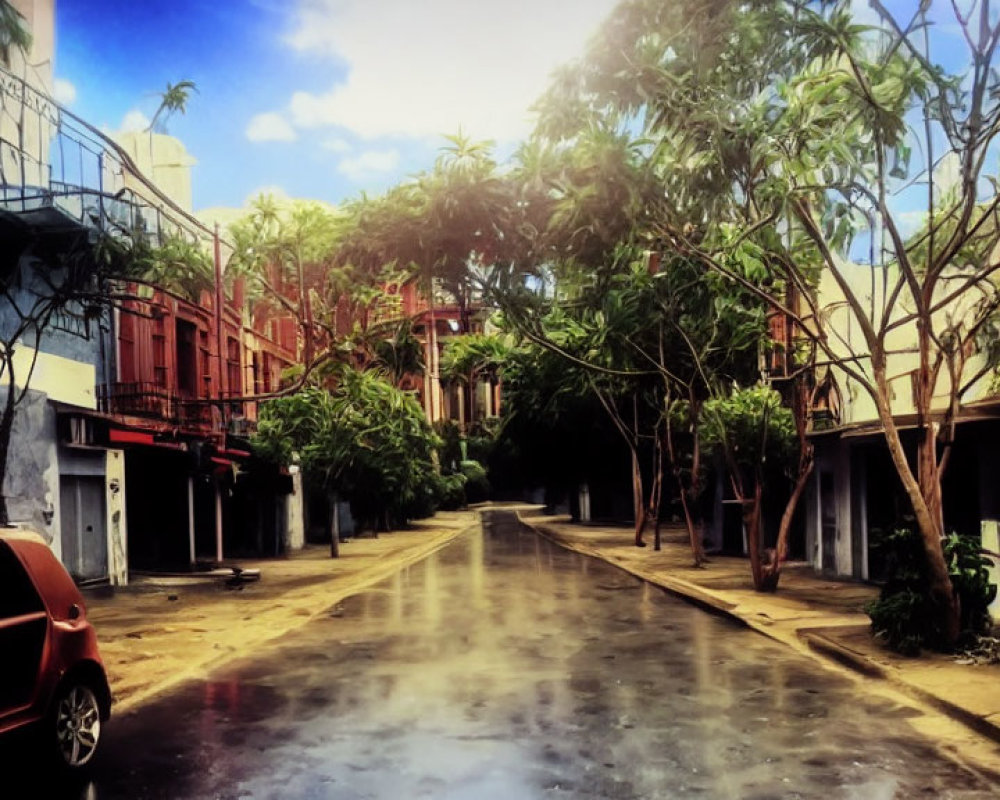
450 491
903 615
477 486
450 452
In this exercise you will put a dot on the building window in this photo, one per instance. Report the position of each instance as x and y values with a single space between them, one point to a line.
159 353
205 364
187 359
233 367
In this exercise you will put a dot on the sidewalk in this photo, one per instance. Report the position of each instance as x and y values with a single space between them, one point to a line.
157 632
808 612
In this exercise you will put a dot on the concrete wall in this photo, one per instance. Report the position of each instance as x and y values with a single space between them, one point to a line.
295 524
30 135
32 480
117 527
845 338
164 160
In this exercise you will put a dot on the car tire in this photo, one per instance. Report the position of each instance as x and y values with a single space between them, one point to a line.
73 726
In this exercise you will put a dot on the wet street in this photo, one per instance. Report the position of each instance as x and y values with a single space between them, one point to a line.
504 667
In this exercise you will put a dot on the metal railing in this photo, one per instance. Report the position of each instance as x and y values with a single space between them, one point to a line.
51 158
152 401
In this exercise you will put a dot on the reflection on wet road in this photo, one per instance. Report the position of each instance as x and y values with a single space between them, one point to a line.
505 667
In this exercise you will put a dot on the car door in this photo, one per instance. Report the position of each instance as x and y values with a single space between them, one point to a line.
23 627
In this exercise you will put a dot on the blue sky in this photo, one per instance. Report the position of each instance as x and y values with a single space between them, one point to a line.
316 98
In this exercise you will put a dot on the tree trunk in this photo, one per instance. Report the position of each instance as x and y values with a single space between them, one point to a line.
6 428
928 515
694 526
772 568
752 523
656 493
638 506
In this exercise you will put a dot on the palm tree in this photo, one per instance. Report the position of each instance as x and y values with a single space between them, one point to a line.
12 30
174 98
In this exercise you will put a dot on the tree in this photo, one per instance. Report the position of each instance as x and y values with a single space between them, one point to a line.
844 160
686 73
362 439
698 334
554 433
178 265
285 253
782 135
311 424
12 30
752 430
398 355
173 99
570 235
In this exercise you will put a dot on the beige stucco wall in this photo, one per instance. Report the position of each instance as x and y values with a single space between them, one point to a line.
27 127
162 159
845 337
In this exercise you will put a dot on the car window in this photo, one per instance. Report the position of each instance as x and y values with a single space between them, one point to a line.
17 593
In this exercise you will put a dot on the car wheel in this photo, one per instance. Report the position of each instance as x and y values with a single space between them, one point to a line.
75 724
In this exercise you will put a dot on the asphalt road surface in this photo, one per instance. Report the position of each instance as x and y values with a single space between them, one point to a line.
504 667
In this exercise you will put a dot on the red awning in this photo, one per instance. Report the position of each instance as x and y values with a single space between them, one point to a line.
130 437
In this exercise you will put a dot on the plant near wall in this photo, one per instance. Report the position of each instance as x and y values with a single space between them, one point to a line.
904 616
178 265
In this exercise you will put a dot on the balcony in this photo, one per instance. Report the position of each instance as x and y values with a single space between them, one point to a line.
59 171
154 402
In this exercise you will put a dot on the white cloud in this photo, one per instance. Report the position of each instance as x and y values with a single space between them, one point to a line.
270 127
134 120
63 92
909 222
337 145
369 163
423 69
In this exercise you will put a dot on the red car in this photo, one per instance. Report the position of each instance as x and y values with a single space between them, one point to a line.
51 674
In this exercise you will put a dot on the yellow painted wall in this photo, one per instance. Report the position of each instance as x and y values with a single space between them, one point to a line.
62 379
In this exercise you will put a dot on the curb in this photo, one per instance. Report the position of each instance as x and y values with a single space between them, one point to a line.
817 642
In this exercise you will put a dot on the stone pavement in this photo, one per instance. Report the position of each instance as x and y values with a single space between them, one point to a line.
157 632
808 612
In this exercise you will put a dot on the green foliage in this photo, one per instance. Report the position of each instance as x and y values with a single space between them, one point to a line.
450 453
399 355
12 30
481 442
178 265
173 99
473 355
904 614
364 438
450 491
751 427
477 484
